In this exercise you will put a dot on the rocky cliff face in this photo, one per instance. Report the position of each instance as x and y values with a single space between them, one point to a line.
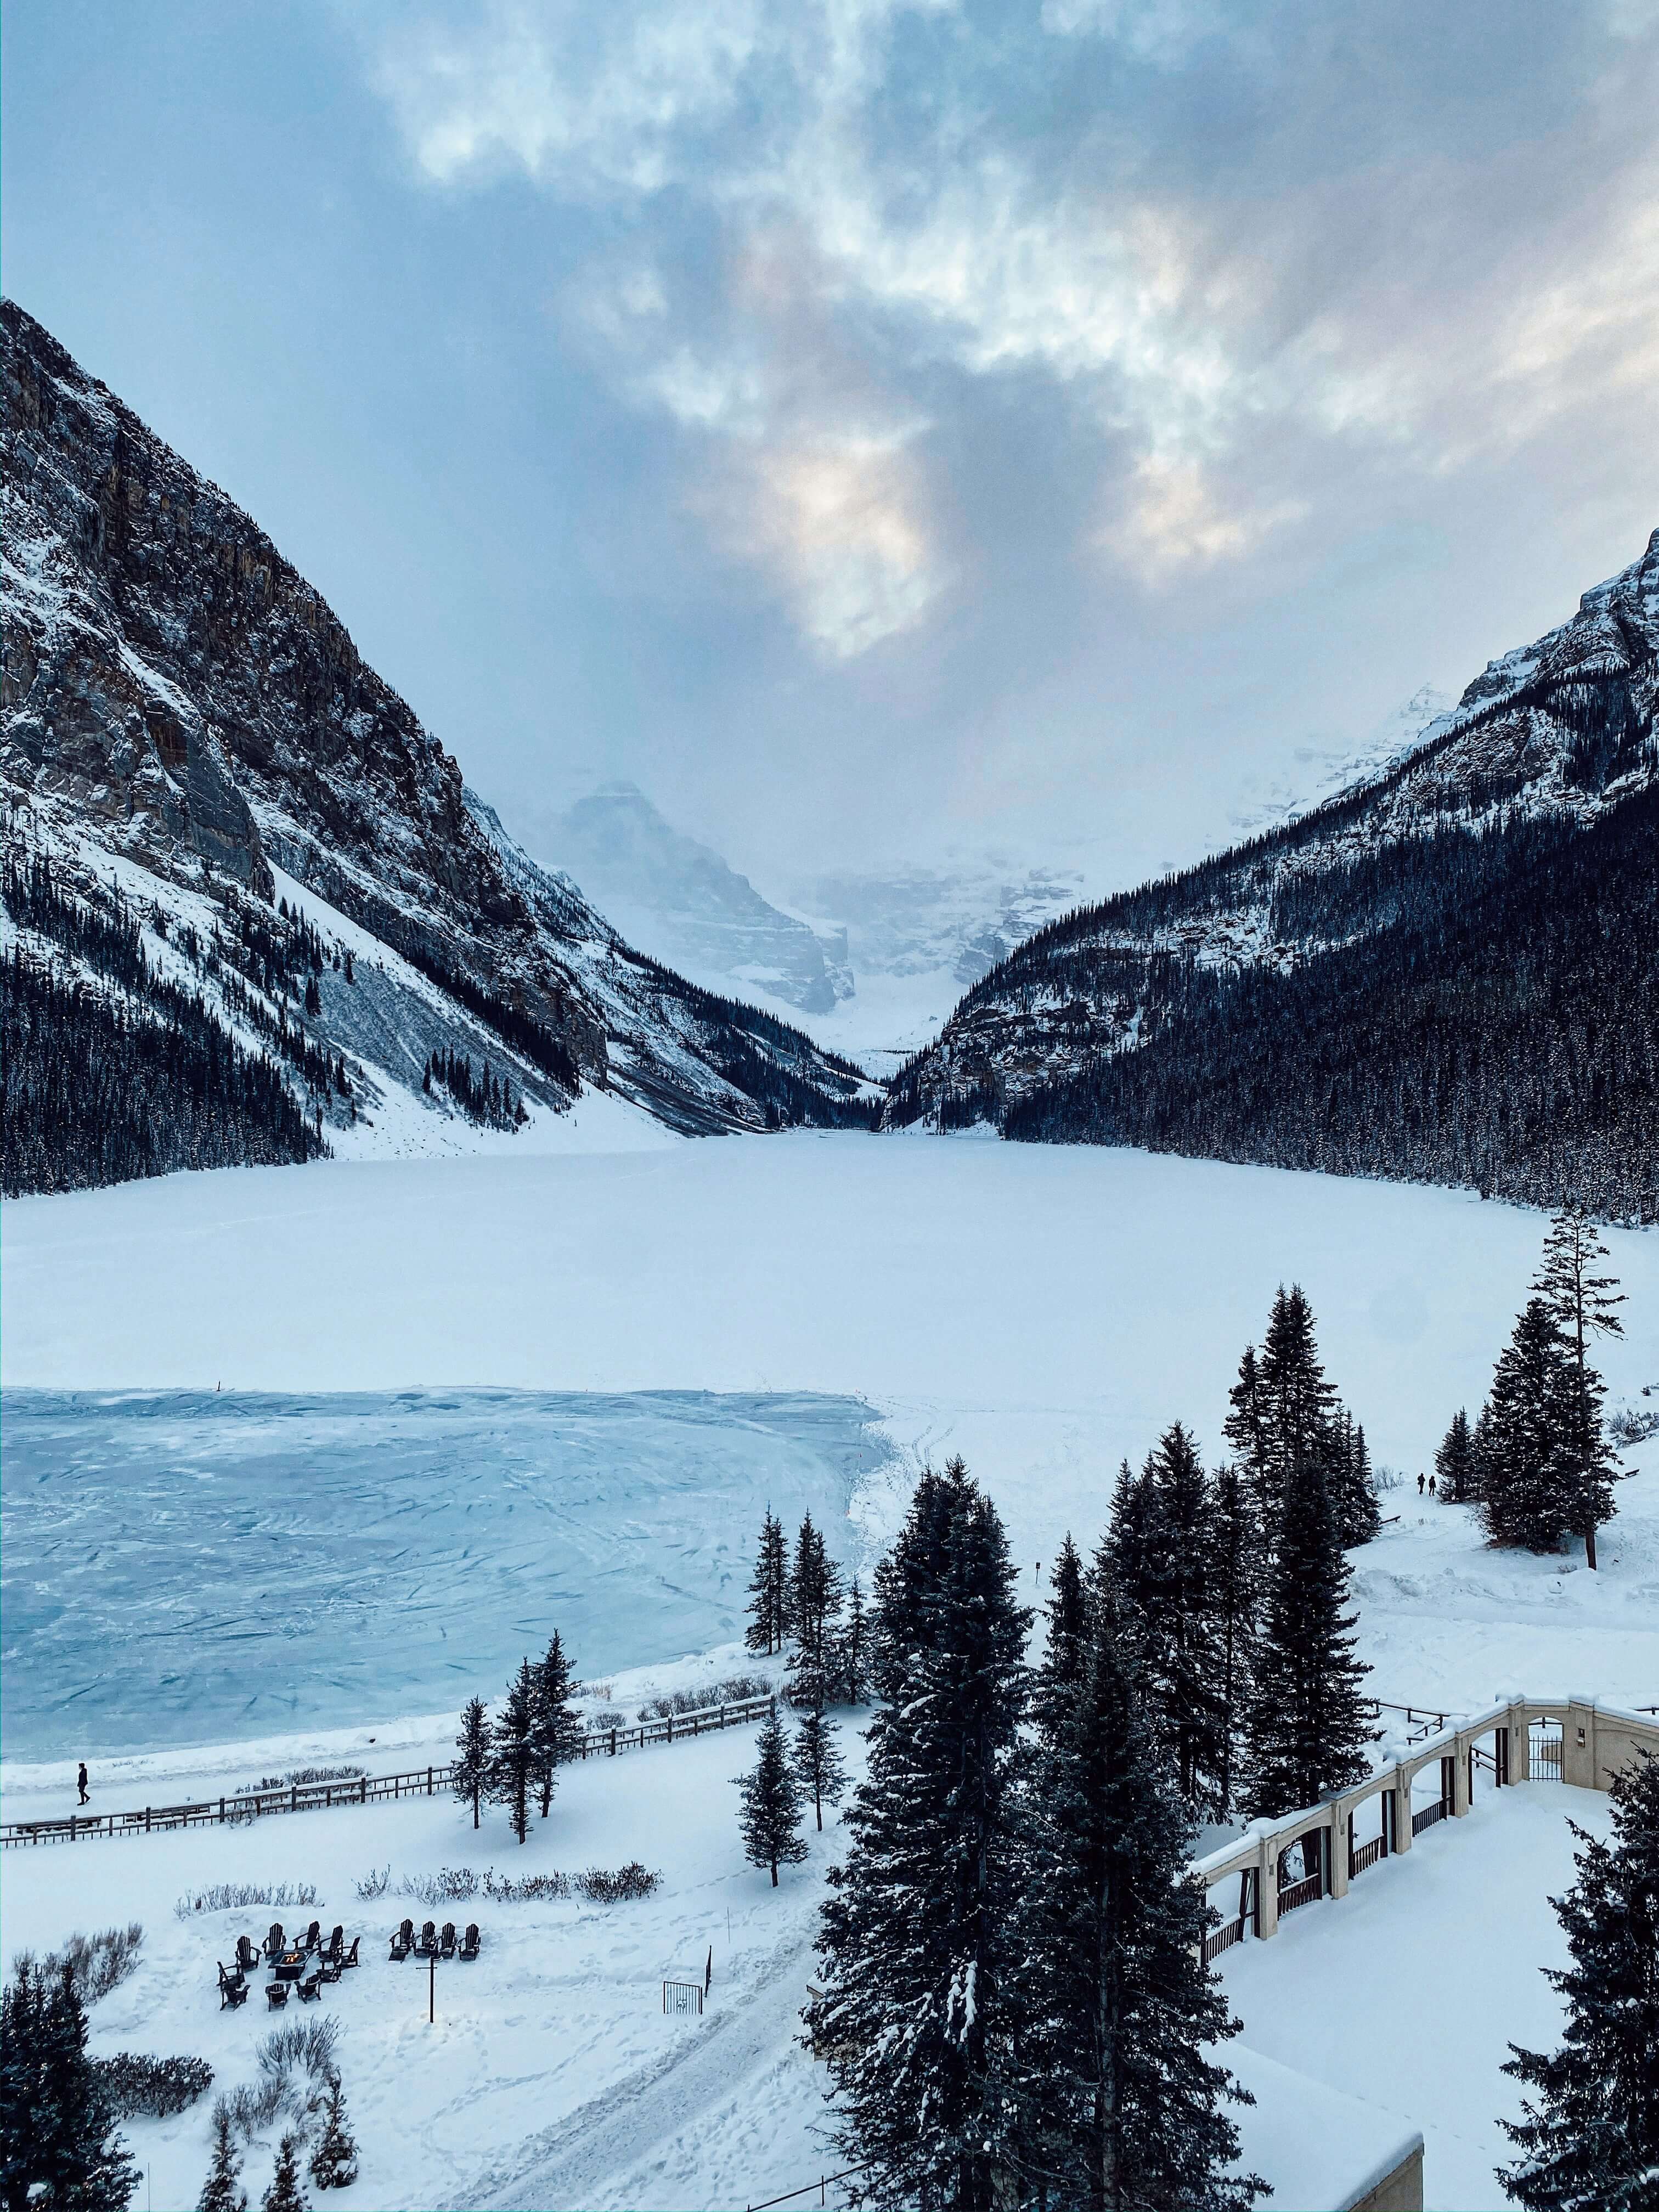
178 701
1562 730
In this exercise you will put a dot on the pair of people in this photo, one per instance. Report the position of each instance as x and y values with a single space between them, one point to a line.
1433 1493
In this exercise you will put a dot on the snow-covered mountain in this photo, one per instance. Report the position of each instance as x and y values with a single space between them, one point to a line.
248 895
1317 773
1447 970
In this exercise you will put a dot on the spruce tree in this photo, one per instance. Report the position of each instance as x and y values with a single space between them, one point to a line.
57 2140
512 1751
222 2192
819 1767
1360 1518
1583 1303
334 2161
1233 1581
555 1729
1529 1483
769 1588
815 1603
1180 1674
1297 1406
1454 1462
852 1649
1589 2137
1061 1669
469 1775
1121 2108
286 2192
1310 1727
918 2016
771 1805
1129 1534
1244 1428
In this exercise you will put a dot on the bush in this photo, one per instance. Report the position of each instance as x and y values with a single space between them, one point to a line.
237 1896
308 2043
374 1883
732 1691
449 1886
627 1884
298 1777
97 1963
138 2086
250 2109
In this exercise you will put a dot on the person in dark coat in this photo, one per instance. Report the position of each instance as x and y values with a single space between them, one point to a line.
81 1782
1420 1485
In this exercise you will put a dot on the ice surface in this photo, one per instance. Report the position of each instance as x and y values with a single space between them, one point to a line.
187 1566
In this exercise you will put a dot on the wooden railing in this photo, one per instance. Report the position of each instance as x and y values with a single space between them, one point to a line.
1222 1938
1428 1816
1366 1855
1304 1892
242 1806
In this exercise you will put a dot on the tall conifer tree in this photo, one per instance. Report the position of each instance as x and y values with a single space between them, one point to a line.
771 1804
918 2012
555 1729
222 2192
512 1751
1180 1673
769 1590
1584 1303
1454 1462
469 1775
1233 1589
58 2140
1529 1483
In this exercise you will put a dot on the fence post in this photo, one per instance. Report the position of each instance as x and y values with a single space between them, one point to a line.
222 1810
671 1728
429 1782
147 1820
293 1797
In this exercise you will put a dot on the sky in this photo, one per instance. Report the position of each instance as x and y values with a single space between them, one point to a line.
876 427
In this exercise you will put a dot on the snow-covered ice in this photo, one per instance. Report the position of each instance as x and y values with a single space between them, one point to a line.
190 1566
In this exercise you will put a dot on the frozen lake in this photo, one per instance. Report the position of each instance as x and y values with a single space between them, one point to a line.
186 1567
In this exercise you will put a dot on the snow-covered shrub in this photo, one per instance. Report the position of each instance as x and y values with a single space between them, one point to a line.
309 2044
1631 1425
1385 1478
449 1886
237 1896
139 2085
600 1886
374 1883
97 1963
299 1777
597 1885
732 1691
249 2109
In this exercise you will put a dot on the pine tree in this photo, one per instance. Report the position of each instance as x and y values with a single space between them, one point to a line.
1233 1579
1297 1406
556 1728
58 2143
286 2192
1179 1672
819 1767
852 1649
1309 1726
512 1751
471 1773
1582 1303
1129 1534
1454 1462
1244 1427
1528 1484
1360 1518
917 2018
768 1599
334 2161
814 1613
771 1805
1061 1669
221 2191
1590 2141
1122 2109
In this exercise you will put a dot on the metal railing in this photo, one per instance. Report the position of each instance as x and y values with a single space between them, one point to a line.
1428 1816
1544 1758
244 1806
825 2182
1421 1723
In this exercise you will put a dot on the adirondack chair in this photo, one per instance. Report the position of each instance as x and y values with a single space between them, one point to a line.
275 1942
446 1939
426 1946
335 1944
313 1938
233 1990
349 1957
276 1995
403 1943
247 1955
469 1941
329 1968
311 1987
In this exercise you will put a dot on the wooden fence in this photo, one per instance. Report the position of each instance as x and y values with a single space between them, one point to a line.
248 1805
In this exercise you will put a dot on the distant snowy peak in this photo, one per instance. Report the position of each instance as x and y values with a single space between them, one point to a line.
1318 773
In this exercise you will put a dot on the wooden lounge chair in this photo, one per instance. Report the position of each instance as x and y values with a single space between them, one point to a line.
469 1941
403 1942
426 1946
311 1988
349 1957
446 1939
233 1990
247 1955
336 1943
275 1941
276 1995
330 1969
313 1938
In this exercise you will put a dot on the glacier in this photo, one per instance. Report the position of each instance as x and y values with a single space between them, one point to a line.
184 1567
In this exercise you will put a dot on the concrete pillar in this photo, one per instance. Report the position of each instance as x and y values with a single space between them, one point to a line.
1460 1803
1342 1825
1401 1787
1266 1887
1520 1745
1578 1744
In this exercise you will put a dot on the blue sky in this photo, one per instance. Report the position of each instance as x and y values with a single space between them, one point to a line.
870 425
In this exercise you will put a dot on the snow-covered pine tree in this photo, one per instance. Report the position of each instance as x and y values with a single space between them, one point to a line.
222 2192
1589 2138
1180 1671
1359 1516
1584 1303
286 2192
852 1649
819 1767
512 1751
1454 1462
58 2140
771 1804
1122 2109
1528 1480
1129 1534
769 1590
556 1728
1310 1725
917 2020
469 1776
1298 1407
334 2161
815 1605
1233 1579
1244 1427
1061 1669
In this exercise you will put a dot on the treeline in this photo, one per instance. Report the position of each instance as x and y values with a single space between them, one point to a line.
486 1098
760 1054
531 1038
102 1084
1500 1032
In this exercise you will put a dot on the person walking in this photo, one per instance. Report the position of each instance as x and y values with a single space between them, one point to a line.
81 1782
1420 1485
1433 1493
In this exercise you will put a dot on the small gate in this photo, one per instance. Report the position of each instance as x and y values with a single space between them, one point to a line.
1544 1751
682 1997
